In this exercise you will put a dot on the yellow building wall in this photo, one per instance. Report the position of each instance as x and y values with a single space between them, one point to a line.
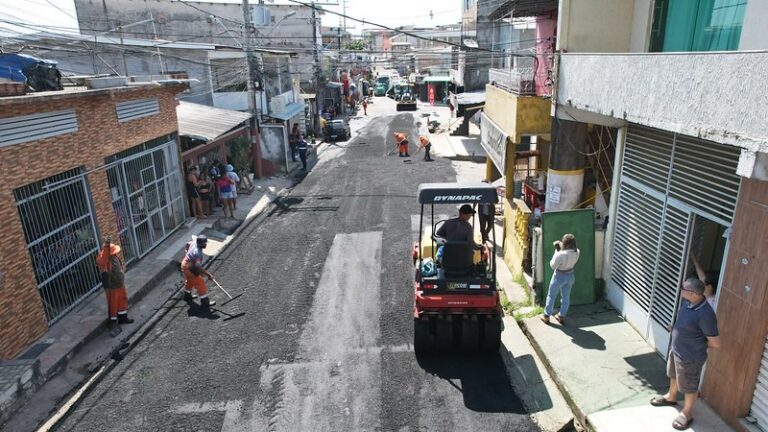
517 115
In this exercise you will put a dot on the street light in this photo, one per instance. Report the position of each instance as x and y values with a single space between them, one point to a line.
280 21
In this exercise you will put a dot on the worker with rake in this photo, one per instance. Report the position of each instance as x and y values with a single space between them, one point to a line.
426 145
192 267
401 144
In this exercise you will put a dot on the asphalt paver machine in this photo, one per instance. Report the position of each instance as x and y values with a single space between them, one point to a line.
456 305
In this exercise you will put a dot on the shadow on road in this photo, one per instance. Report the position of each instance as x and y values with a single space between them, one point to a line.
482 380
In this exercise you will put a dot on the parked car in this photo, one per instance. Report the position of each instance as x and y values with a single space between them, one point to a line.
336 130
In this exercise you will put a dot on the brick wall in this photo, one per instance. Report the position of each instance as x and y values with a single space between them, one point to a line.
742 308
22 319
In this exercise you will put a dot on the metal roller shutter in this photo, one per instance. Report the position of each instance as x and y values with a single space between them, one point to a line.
669 266
665 178
759 408
635 243
704 177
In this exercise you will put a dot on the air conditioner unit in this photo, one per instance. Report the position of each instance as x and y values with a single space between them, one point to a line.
260 16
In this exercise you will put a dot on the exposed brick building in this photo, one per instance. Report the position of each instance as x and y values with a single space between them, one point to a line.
77 166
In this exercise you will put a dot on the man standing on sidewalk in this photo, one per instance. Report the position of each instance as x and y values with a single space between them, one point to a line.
301 146
113 279
694 332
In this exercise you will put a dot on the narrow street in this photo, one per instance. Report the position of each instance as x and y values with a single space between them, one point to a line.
325 342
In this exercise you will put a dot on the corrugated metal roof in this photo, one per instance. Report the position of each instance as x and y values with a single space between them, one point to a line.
470 98
205 122
523 8
290 111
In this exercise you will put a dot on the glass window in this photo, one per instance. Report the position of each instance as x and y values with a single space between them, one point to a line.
697 25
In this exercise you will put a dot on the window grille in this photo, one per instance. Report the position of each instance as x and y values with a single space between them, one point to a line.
28 128
58 223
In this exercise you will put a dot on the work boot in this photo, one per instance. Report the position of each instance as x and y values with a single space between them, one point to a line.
206 303
188 296
123 319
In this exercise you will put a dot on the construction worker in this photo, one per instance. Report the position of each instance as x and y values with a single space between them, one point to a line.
401 143
426 145
112 271
192 267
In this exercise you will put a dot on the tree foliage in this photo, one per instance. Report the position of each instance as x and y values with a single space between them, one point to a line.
355 45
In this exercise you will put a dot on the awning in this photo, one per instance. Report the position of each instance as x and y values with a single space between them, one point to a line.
494 142
207 123
290 111
437 79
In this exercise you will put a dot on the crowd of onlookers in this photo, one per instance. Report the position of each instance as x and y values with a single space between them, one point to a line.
214 185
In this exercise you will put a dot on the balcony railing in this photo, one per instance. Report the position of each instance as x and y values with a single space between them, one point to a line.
518 80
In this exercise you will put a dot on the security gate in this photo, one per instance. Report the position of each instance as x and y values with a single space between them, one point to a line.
146 197
57 217
667 180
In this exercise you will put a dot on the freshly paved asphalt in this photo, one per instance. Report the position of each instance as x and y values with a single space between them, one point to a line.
325 342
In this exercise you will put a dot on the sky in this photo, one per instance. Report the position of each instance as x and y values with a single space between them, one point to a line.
391 13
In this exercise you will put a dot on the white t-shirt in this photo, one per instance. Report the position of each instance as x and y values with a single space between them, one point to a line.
564 260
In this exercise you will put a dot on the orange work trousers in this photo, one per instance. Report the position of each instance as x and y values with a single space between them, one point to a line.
403 148
195 282
117 301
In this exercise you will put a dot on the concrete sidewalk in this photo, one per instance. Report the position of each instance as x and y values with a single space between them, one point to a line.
609 373
78 344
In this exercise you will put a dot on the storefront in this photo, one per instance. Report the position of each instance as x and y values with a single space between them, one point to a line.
677 196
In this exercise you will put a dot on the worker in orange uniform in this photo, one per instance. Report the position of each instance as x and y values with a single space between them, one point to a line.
426 145
112 272
401 143
192 267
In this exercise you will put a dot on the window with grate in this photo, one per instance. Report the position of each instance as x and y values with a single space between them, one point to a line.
61 238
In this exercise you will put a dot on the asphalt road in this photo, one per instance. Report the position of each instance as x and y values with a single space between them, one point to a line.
325 342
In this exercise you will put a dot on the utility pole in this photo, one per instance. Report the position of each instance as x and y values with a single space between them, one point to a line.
252 77
318 72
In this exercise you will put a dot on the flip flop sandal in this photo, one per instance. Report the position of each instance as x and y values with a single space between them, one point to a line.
658 401
682 422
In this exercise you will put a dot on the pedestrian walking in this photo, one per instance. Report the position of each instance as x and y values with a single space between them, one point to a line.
302 147
112 271
563 261
232 175
450 107
365 106
192 267
694 332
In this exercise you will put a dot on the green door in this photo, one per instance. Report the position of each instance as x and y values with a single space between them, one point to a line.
580 223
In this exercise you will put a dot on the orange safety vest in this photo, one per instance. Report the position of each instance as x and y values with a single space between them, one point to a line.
110 266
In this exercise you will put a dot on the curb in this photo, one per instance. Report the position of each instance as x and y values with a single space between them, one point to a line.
580 416
57 367
106 365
